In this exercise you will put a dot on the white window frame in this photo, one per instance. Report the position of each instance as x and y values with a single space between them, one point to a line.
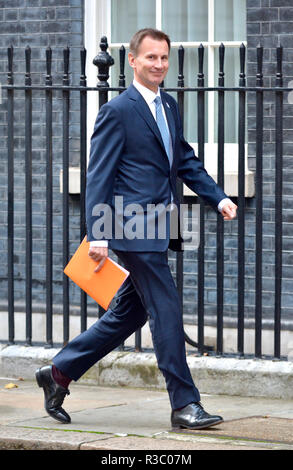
98 24
211 45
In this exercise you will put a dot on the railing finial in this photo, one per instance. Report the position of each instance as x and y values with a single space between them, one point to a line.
10 65
103 61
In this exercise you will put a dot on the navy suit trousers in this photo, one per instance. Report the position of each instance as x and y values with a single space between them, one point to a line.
149 292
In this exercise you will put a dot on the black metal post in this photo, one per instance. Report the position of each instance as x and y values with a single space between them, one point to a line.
259 202
103 61
10 197
137 339
28 196
49 203
220 221
122 66
278 204
241 202
83 168
65 189
201 156
179 184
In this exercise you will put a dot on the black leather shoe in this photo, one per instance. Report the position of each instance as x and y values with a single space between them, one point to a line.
54 394
193 416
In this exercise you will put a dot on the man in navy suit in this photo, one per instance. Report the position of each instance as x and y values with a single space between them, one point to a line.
137 153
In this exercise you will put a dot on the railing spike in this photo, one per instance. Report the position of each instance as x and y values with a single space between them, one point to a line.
180 66
82 63
122 66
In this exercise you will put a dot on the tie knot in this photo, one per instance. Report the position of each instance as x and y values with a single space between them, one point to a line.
158 100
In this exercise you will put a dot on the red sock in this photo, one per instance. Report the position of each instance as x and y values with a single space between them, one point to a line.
60 378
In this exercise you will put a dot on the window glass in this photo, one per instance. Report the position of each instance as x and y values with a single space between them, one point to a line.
115 70
185 20
128 16
230 20
188 21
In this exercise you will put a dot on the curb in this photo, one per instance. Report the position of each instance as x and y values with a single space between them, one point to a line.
17 438
13 438
228 376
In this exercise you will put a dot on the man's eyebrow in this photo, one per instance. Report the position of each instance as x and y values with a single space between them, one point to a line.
153 53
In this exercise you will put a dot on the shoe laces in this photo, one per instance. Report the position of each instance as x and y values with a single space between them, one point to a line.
62 392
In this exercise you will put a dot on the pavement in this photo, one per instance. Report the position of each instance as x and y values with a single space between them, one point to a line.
113 419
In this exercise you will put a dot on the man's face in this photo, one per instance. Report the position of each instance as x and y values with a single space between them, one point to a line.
151 64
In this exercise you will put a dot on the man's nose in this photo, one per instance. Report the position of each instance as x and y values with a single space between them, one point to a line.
159 63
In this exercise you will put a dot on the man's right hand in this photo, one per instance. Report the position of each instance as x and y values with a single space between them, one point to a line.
98 254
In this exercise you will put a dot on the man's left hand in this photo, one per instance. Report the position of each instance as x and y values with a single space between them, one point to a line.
229 211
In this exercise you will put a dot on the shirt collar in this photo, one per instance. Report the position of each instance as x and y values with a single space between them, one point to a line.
146 93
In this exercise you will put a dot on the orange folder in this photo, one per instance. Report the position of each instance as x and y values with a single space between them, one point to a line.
101 286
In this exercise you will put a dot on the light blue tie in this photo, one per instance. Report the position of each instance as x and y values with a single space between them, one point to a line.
162 125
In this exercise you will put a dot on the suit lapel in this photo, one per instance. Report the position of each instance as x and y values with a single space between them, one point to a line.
145 112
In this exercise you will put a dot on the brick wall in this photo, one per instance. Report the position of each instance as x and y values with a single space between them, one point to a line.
39 24
270 23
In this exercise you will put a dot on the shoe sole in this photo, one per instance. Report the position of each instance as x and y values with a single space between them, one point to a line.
182 426
62 421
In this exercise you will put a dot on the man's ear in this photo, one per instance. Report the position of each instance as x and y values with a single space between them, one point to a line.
131 60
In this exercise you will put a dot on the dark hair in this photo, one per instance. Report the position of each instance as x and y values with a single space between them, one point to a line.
138 37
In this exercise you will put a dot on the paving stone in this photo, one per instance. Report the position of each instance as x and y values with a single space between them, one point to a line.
260 428
38 439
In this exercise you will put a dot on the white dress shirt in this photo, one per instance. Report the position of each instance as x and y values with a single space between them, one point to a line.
149 97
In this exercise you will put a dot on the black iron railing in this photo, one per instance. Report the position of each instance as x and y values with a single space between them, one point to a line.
103 61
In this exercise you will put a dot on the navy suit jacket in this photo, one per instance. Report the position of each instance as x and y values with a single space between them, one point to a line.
128 160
